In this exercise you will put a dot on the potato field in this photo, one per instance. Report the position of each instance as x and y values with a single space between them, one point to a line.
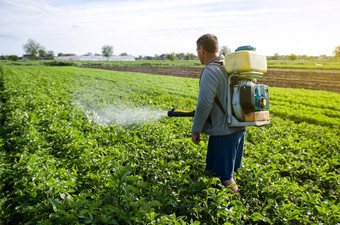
91 146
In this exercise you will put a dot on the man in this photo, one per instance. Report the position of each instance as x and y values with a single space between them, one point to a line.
225 147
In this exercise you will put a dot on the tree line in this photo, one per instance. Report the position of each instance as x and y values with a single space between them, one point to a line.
35 50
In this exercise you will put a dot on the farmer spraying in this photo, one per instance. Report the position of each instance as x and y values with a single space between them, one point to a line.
225 147
229 99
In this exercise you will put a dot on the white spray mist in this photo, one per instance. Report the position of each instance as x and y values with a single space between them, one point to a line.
124 115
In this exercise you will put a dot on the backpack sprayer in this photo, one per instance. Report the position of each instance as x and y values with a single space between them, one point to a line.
247 101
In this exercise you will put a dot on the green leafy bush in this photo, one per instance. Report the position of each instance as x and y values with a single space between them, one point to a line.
61 165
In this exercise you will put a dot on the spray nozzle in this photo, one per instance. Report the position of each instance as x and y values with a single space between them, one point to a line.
180 113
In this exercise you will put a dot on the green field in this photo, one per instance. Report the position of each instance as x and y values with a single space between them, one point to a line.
304 64
296 64
149 63
89 146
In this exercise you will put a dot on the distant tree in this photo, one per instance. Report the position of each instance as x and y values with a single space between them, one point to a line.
42 53
32 48
50 54
156 57
60 54
190 56
292 57
323 57
13 57
171 56
337 52
123 54
303 57
276 56
180 56
107 51
224 50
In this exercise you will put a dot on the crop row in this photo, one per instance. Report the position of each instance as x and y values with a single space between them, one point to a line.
318 107
59 165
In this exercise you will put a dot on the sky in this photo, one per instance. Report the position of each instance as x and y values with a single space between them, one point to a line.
154 27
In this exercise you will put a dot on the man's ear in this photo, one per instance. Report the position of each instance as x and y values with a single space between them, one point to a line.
202 49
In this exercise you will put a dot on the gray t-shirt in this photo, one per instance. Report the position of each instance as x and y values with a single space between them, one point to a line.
209 118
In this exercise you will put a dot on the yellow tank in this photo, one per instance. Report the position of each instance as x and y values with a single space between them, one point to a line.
245 61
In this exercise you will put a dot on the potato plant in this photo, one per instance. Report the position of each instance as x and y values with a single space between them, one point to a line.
60 165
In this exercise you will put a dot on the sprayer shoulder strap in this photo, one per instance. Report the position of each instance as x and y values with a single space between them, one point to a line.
218 103
216 99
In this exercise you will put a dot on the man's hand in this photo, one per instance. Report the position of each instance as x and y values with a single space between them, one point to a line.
195 138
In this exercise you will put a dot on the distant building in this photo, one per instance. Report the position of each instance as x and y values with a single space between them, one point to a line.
69 54
95 58
26 57
163 57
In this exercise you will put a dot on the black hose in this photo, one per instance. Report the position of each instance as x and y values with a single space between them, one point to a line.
181 113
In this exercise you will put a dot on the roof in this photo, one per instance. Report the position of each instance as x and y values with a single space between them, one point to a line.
96 58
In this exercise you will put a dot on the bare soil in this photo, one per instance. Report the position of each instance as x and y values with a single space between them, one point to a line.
328 80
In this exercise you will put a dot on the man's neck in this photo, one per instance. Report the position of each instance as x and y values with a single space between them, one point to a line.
210 57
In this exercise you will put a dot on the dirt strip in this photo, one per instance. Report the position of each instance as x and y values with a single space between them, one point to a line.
328 80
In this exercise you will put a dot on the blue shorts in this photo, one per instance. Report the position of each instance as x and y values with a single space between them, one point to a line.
224 154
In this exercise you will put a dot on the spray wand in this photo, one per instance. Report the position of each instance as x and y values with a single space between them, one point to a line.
180 113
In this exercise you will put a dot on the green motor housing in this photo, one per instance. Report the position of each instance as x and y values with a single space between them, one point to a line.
254 98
